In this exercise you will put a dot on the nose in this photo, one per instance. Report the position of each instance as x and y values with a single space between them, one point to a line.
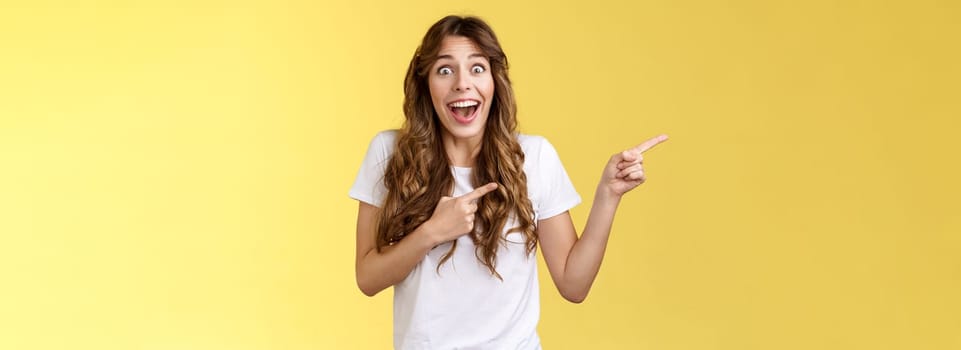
462 83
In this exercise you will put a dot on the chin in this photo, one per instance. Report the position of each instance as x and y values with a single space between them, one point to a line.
461 131
466 133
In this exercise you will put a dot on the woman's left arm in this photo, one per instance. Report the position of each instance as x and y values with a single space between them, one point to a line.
573 262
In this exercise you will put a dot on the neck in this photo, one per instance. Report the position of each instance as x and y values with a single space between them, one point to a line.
462 152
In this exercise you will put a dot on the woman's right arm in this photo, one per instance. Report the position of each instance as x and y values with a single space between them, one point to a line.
377 271
453 217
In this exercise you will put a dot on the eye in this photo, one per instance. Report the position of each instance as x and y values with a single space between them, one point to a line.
445 71
478 69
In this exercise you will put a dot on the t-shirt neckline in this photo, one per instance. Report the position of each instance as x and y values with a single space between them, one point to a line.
461 170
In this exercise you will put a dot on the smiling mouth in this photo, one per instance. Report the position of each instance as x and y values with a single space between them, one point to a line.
463 111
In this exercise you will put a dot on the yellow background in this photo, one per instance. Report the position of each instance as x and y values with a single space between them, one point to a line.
175 175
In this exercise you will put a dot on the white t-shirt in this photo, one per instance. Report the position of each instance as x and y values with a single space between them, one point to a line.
464 306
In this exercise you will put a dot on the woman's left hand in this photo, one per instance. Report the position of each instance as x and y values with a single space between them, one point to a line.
625 170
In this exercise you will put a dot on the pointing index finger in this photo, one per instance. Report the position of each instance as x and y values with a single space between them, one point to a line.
646 145
480 191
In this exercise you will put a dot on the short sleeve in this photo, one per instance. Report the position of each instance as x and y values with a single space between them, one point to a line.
369 185
559 193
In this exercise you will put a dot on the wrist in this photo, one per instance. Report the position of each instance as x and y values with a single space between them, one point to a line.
607 195
427 234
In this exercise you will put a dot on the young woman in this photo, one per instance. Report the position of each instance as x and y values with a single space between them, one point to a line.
454 204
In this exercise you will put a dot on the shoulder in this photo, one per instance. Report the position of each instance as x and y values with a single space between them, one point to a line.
532 144
380 149
536 148
382 145
540 157
385 138
369 185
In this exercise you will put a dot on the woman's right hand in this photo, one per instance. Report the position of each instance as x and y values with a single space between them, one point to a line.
454 216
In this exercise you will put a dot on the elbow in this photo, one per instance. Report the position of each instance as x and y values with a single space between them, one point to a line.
366 287
368 291
574 297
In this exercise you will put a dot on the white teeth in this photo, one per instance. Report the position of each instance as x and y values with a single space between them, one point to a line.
463 104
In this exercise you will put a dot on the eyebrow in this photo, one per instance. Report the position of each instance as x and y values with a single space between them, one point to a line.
452 57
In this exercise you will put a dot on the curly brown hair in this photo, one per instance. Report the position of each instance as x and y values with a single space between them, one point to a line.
419 174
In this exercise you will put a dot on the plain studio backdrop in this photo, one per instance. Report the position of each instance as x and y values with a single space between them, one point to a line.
174 174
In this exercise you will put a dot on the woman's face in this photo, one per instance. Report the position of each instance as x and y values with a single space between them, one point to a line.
462 88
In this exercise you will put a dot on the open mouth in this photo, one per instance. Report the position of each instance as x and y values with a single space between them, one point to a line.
464 111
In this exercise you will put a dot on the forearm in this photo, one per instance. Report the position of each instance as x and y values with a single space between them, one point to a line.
586 255
378 270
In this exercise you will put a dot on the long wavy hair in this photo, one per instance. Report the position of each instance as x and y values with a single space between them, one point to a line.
419 174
